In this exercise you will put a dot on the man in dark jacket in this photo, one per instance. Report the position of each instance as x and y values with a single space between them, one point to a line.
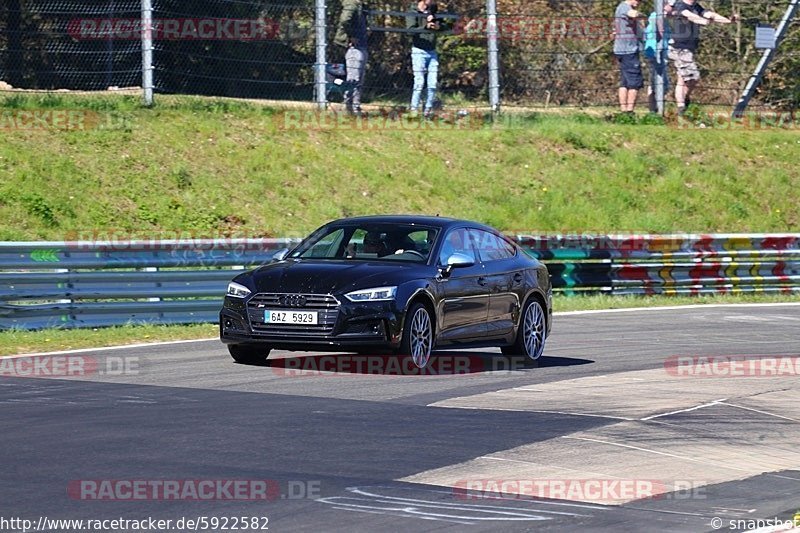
688 16
424 59
351 34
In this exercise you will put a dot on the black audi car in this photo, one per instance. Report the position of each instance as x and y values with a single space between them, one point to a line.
409 284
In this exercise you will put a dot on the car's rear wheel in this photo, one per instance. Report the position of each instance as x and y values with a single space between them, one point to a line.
248 355
531 333
418 335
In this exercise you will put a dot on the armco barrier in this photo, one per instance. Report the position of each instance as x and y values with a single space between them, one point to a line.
89 284
669 264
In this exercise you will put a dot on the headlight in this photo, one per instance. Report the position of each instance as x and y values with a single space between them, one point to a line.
237 291
372 295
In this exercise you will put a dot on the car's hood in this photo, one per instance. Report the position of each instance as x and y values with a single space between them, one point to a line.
328 277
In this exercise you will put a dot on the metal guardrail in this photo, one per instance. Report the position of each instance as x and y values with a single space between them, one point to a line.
91 284
681 264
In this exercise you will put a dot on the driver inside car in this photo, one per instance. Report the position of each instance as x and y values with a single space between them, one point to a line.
375 243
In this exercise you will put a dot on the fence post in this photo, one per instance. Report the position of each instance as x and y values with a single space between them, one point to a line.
661 56
322 47
493 52
147 51
766 58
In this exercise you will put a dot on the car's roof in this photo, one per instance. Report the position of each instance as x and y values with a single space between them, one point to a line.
424 220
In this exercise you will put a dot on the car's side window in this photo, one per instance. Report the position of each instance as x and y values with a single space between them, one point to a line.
492 247
456 241
326 247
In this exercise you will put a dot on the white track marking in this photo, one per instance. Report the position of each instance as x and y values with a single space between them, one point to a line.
757 411
109 348
521 410
671 308
696 407
598 474
462 513
361 492
656 452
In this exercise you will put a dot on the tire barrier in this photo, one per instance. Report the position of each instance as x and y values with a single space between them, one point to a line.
93 284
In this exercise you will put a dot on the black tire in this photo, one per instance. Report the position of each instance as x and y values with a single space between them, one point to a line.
531 332
249 355
417 341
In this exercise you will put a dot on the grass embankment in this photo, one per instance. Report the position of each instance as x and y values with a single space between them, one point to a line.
21 342
210 166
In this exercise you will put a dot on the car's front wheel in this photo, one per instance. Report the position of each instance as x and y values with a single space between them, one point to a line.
531 333
248 355
418 335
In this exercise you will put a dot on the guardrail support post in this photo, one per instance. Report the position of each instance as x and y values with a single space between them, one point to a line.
766 58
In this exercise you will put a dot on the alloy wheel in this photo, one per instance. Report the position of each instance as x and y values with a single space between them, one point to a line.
421 337
533 330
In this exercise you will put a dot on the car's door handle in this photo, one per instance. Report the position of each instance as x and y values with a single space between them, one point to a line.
482 281
518 277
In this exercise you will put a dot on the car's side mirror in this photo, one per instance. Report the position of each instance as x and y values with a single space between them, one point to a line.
457 260
280 255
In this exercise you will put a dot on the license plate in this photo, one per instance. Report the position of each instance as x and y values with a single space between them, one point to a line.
290 317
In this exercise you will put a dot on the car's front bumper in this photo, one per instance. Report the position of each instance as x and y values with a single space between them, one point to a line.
347 324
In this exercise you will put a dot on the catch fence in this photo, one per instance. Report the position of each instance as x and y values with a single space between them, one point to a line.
532 54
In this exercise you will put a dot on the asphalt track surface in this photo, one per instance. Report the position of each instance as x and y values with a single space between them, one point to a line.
349 450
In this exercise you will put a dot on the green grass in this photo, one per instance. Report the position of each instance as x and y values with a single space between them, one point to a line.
210 166
587 303
21 342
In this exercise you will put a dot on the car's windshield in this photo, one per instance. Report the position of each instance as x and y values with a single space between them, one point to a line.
369 242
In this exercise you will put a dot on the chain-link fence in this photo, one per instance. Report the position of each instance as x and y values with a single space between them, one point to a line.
243 48
41 47
560 53
551 52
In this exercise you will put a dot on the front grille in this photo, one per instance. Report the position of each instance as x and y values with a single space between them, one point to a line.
326 306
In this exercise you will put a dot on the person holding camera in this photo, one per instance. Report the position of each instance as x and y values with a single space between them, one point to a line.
351 33
424 24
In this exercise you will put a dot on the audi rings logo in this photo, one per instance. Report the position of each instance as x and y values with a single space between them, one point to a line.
293 300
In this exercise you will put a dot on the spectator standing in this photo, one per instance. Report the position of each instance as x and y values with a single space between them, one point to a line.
424 58
687 17
627 42
351 34
656 33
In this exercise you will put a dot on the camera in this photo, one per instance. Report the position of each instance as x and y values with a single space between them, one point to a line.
433 10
